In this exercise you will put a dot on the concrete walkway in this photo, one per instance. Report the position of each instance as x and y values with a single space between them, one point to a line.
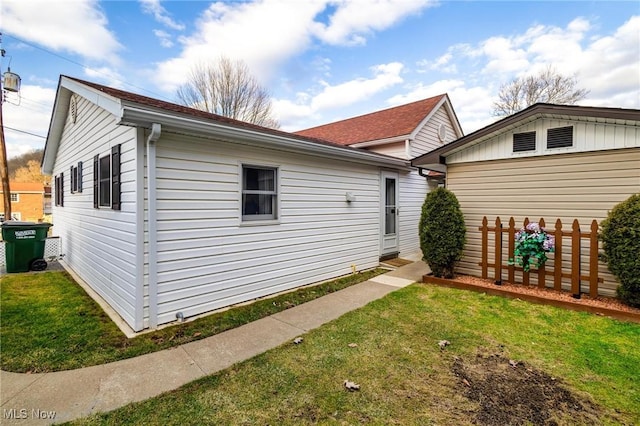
66 395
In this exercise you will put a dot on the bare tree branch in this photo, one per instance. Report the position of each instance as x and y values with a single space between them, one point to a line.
228 88
547 86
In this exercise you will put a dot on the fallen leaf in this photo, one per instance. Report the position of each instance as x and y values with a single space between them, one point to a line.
351 386
466 382
297 340
513 363
443 343
353 345
197 334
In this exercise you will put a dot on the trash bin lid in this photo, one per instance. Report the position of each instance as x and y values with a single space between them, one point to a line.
10 223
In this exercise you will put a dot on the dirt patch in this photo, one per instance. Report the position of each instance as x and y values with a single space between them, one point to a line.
513 393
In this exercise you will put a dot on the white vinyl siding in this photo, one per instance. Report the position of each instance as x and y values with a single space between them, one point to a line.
413 191
587 136
581 186
393 149
427 138
207 260
99 245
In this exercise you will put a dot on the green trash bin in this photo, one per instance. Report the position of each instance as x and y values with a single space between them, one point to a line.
24 245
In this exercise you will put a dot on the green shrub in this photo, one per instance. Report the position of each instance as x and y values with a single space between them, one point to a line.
620 238
442 232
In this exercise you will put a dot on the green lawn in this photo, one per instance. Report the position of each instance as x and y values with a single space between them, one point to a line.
48 323
573 368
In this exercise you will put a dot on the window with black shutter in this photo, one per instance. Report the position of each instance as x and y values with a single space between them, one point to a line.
560 137
106 180
524 142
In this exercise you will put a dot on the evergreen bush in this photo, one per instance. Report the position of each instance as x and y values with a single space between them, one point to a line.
442 232
620 238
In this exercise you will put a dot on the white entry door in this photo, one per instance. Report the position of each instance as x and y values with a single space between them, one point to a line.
389 213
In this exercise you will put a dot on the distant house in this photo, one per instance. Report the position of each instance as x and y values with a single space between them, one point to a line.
166 210
551 161
27 201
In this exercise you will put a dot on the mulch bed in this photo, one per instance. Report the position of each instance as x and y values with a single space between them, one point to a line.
601 305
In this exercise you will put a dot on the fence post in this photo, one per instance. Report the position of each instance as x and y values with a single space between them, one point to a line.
593 260
485 248
575 260
498 259
525 274
541 269
557 258
512 248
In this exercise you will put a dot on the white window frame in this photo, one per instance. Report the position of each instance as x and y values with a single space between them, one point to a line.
260 219
15 197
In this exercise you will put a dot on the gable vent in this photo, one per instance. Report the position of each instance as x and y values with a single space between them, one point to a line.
524 142
560 137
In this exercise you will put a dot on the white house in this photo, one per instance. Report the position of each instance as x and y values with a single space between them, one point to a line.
163 209
550 161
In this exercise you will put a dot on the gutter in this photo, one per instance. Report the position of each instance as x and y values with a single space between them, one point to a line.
134 116
156 130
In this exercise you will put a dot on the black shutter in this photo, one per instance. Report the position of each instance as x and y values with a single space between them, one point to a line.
96 179
57 183
61 189
115 177
72 177
79 178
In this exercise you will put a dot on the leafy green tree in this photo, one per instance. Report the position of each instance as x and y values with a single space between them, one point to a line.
442 232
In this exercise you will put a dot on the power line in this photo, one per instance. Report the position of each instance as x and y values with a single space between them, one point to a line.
25 132
85 66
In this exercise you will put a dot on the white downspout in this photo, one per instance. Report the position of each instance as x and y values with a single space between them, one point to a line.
156 130
407 148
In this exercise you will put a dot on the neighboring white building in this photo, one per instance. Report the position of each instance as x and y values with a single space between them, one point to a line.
163 209
550 161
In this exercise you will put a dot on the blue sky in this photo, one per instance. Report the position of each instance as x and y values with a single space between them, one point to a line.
322 60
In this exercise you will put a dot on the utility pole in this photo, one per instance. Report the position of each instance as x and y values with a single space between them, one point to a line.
4 169
11 82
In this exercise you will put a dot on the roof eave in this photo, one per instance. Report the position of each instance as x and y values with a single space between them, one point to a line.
66 87
141 116
531 113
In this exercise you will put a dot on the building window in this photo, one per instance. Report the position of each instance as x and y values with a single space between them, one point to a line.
104 188
15 197
259 193
560 137
106 180
76 178
524 142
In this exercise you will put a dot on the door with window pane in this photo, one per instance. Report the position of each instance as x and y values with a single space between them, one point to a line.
389 206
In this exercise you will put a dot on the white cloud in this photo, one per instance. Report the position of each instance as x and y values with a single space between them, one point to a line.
108 76
471 104
31 115
153 7
329 97
77 26
164 37
608 65
267 33
355 19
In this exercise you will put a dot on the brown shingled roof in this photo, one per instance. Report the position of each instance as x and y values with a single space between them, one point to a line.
385 124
